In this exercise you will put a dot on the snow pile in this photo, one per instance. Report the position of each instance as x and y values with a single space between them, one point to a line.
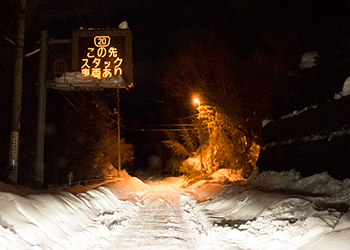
77 77
309 60
319 184
175 182
19 190
129 189
64 220
266 121
294 113
275 211
224 175
297 112
74 77
123 25
346 89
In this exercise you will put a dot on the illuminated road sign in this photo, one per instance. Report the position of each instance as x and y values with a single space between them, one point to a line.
103 54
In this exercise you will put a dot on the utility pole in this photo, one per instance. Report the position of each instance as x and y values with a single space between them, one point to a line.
40 136
17 94
200 144
197 101
118 119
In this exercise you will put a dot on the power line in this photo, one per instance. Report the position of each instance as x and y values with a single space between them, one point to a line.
106 14
158 130
75 5
169 125
69 101
162 128
187 117
98 14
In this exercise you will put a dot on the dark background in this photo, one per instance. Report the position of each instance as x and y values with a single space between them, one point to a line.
160 30
315 141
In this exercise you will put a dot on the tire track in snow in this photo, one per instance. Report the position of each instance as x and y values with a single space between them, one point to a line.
158 225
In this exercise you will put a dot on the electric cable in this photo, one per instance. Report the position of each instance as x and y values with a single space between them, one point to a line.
158 130
106 14
75 6
99 19
69 101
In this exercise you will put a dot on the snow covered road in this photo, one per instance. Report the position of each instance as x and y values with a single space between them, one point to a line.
270 211
158 225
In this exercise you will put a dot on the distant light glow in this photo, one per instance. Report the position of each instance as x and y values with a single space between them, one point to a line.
197 101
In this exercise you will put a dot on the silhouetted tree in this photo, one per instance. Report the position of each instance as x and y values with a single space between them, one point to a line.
85 141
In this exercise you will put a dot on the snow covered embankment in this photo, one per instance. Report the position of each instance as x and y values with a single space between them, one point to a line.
63 220
274 211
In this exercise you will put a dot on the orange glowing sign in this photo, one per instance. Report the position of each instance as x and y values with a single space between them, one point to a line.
103 53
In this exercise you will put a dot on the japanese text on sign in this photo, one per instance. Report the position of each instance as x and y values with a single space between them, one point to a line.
101 60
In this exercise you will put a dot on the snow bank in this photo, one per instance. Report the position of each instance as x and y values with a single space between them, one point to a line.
64 220
221 179
16 189
309 60
346 89
127 189
227 175
318 184
275 211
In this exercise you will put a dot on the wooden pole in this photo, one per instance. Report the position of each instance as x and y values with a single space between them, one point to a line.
17 94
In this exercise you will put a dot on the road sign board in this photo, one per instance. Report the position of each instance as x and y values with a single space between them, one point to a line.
103 54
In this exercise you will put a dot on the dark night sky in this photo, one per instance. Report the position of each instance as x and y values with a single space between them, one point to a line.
160 29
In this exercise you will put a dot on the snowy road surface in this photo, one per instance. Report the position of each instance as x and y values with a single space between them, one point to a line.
269 211
158 225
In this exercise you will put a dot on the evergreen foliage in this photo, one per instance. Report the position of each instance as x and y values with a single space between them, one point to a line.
229 119
183 143
223 146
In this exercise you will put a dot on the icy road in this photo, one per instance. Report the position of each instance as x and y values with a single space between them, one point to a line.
269 211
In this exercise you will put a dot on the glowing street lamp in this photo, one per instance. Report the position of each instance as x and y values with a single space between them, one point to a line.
197 101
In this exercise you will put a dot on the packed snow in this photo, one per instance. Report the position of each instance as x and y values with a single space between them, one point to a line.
270 210
77 77
345 91
309 60
76 81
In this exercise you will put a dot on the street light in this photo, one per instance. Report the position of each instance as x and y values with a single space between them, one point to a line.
197 101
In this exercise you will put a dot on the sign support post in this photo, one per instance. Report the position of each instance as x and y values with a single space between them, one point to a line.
40 136
119 144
